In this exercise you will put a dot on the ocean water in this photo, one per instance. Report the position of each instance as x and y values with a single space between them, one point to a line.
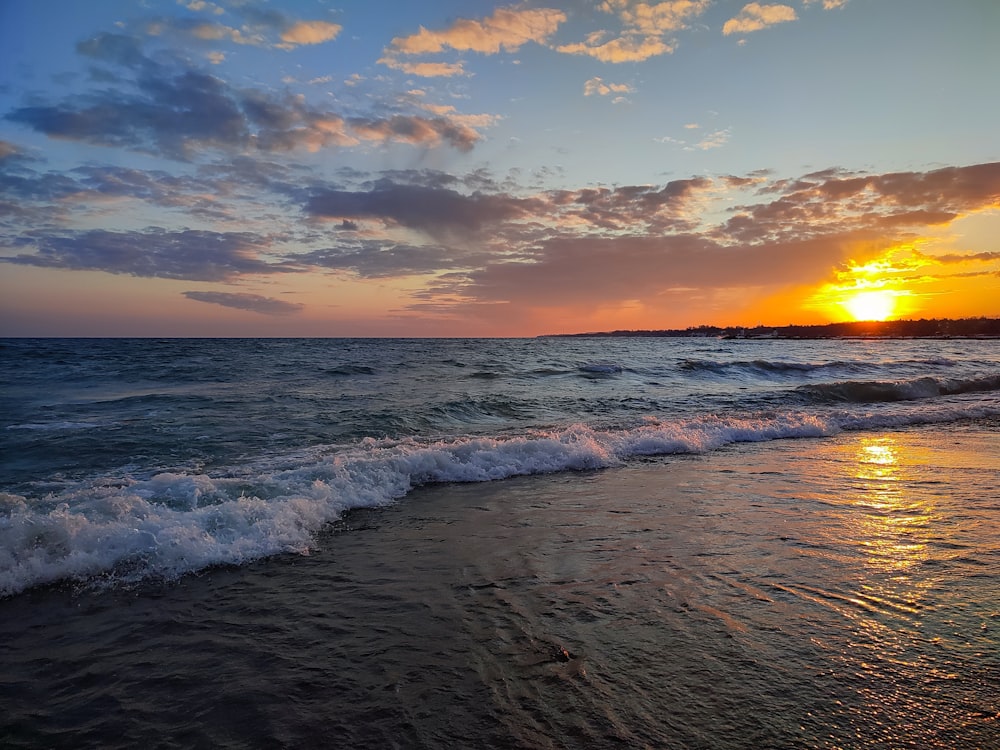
556 542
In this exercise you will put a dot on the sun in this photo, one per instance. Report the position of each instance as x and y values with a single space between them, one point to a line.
871 305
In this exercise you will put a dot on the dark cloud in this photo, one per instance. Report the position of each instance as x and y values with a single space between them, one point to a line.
258 25
11 154
376 259
117 49
436 211
985 257
828 201
599 270
416 130
155 253
20 182
168 114
41 198
815 225
243 301
164 106
29 198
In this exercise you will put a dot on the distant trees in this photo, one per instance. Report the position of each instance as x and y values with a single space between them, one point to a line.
981 327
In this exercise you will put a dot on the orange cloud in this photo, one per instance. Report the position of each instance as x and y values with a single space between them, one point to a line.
425 69
755 17
507 29
653 19
621 50
310 32
416 131
645 27
598 86
828 4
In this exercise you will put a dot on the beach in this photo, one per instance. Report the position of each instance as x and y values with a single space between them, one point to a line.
830 593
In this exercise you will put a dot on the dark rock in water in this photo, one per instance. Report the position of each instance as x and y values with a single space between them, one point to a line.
563 655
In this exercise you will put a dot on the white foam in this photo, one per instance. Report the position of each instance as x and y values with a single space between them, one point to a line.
128 529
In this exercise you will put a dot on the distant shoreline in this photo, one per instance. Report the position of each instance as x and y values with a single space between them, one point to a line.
964 328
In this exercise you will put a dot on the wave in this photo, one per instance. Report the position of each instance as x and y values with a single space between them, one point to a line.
758 365
601 368
59 426
864 392
781 367
124 530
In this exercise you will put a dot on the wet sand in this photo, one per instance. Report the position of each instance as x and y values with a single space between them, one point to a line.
833 593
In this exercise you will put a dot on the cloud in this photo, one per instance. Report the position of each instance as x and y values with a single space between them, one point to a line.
379 259
888 204
310 32
598 270
415 130
169 114
716 139
178 112
647 30
598 86
425 69
433 210
424 202
755 17
243 301
507 30
828 4
8 150
985 257
153 253
603 246
620 50
259 28
652 19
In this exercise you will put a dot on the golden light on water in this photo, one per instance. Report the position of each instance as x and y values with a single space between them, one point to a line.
894 526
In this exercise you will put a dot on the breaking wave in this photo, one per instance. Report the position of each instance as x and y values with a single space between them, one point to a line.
864 392
121 530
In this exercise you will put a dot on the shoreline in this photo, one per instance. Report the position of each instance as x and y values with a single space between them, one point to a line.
781 594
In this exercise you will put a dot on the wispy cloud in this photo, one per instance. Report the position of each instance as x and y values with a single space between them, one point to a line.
828 4
258 26
507 30
244 301
647 30
597 86
708 141
754 17
153 253
173 110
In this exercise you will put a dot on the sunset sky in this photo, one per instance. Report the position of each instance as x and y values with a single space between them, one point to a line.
467 168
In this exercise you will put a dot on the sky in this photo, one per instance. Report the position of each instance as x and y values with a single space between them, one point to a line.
470 168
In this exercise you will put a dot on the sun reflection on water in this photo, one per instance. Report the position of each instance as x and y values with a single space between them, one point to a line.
895 525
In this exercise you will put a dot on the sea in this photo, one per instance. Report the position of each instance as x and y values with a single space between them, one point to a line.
557 542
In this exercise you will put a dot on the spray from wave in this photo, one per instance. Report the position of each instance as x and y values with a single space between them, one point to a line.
123 530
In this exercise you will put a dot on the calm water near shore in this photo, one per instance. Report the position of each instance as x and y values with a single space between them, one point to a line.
729 547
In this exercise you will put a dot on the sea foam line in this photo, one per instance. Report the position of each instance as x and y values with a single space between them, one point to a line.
126 530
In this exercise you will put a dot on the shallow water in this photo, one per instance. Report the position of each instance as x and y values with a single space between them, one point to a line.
131 460
838 592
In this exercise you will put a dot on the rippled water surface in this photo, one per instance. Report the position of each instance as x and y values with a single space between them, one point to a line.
551 543
833 593
126 460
